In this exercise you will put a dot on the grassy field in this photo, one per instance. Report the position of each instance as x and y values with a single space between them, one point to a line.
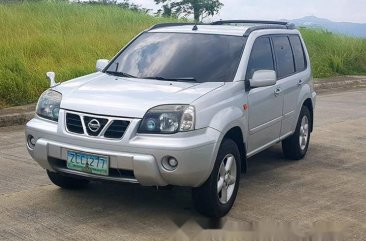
333 54
69 38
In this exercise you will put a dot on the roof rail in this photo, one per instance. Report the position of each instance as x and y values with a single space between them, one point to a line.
257 25
263 27
222 22
162 25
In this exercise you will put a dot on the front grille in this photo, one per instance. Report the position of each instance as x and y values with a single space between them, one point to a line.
116 129
73 123
105 127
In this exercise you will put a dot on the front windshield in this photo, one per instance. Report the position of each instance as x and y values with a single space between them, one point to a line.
181 56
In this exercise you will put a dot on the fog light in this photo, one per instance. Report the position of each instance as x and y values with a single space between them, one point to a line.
169 163
31 141
172 162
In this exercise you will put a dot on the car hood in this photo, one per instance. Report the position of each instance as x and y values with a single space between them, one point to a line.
104 94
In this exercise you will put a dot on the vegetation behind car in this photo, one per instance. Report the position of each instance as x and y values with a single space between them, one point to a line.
67 38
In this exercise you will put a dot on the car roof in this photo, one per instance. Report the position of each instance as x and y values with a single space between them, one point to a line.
227 27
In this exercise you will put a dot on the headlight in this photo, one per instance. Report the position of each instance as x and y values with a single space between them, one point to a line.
168 119
48 105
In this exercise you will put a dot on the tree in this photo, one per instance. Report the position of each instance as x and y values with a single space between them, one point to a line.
200 9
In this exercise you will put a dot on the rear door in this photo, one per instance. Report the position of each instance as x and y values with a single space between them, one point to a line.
265 103
291 63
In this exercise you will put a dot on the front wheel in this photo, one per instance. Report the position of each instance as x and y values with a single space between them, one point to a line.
296 146
217 195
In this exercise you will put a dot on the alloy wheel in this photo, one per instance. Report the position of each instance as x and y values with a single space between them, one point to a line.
226 179
304 133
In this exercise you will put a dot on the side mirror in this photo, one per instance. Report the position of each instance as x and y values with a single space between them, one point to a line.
101 64
51 77
263 78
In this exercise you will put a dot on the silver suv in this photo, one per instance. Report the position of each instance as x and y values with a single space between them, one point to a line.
181 105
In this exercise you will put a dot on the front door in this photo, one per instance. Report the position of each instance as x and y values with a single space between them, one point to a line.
265 103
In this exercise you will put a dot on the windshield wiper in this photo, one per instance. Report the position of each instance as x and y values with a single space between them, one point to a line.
187 79
120 74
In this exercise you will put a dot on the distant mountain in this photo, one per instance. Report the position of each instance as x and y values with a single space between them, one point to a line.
351 29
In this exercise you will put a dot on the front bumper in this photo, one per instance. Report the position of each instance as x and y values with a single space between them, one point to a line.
134 158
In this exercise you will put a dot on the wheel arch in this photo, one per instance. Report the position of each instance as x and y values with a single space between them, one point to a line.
309 104
236 134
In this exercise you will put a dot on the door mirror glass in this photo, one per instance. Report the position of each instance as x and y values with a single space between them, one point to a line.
101 64
263 78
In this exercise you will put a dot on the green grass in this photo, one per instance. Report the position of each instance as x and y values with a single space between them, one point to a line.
333 54
65 38
68 39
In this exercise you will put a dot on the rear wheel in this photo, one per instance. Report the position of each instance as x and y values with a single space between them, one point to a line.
296 146
66 182
217 195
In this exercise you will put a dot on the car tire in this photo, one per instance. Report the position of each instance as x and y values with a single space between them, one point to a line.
296 146
208 199
66 182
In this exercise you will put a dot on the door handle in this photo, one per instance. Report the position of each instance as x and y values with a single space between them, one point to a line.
277 91
301 82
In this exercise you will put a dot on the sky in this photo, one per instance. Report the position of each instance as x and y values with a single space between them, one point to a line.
335 10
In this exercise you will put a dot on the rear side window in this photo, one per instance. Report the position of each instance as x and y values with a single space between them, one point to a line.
284 57
299 55
261 57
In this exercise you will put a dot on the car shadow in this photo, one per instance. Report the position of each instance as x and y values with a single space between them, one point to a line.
126 199
267 160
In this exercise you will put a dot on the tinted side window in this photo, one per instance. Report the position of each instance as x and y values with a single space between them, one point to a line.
284 57
261 57
300 60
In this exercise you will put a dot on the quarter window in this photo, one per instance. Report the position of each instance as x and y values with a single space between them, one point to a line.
284 57
299 55
261 57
